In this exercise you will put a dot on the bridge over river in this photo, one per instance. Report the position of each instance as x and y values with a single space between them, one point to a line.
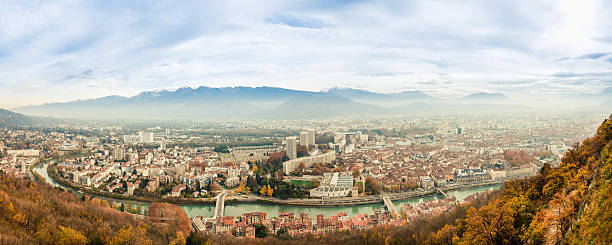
220 206
389 204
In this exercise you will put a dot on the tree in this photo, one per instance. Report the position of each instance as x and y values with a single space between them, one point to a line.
302 150
270 191
260 231
68 236
356 173
131 236
372 186
491 224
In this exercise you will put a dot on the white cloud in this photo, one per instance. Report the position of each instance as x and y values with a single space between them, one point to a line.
69 50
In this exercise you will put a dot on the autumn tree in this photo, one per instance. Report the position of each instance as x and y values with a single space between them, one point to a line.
68 236
131 236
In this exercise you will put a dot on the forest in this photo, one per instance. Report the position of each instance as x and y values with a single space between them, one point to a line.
33 213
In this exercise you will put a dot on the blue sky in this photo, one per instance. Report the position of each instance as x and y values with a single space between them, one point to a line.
52 51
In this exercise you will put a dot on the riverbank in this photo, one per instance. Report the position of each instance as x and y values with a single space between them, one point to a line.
335 202
237 208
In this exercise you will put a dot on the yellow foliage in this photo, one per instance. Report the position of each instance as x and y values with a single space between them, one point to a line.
180 239
68 236
10 208
270 191
18 217
131 235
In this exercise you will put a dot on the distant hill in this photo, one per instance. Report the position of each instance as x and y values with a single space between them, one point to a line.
9 118
13 119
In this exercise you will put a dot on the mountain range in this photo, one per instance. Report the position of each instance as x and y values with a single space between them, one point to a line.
237 103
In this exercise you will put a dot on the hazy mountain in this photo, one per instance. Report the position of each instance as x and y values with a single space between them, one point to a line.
380 99
206 103
492 98
319 106
234 103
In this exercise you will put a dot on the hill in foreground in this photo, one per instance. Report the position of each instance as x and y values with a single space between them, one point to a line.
33 213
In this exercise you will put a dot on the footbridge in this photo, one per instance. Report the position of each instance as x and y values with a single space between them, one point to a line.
389 204
442 192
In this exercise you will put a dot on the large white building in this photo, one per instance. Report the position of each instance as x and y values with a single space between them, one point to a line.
291 165
307 138
291 147
146 136
24 153
330 191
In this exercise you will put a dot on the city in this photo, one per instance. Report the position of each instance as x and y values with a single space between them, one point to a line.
339 163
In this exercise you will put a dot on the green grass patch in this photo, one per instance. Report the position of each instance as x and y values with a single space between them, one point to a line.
304 183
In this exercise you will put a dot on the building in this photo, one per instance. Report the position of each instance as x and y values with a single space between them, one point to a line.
307 138
427 182
291 147
330 191
224 224
130 188
232 181
291 165
176 191
23 153
337 179
338 137
128 139
119 153
153 185
233 172
146 136
471 175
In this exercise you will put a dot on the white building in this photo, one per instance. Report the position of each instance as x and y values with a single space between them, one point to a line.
291 165
233 172
330 191
146 136
338 137
427 182
307 138
291 147
24 153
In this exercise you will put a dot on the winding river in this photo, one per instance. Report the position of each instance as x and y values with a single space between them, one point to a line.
236 209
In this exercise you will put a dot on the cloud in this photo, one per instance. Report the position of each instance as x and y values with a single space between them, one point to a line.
297 21
69 50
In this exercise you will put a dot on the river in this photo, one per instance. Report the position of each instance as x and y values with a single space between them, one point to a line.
236 209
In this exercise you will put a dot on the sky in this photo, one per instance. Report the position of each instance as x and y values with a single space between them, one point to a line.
56 51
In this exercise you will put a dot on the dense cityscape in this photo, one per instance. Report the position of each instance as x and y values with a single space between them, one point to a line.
323 163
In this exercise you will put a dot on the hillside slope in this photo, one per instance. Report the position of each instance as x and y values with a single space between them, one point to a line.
32 213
